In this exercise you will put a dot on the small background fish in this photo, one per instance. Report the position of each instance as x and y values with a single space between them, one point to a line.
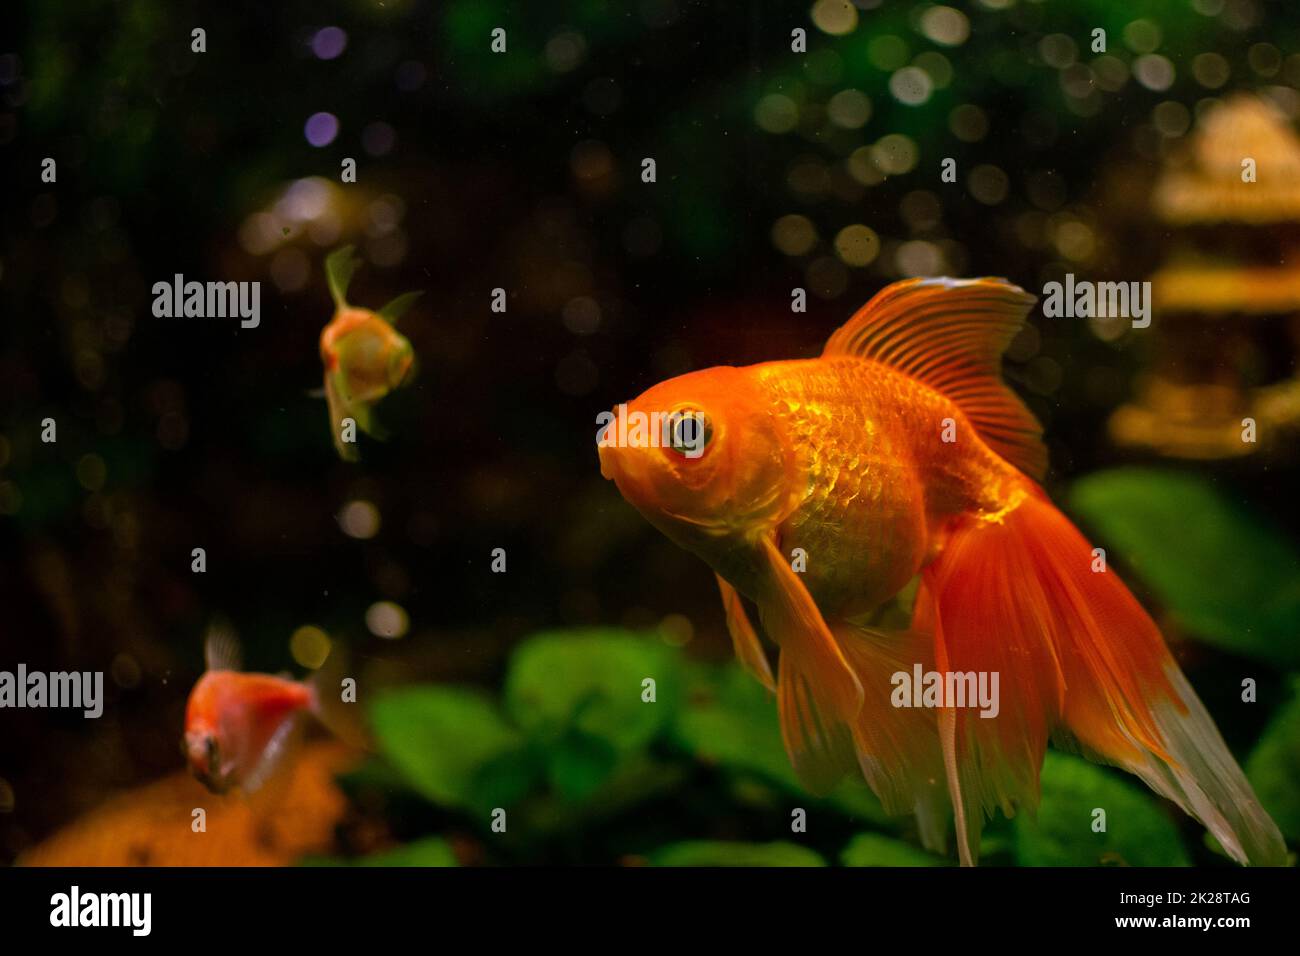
241 728
364 356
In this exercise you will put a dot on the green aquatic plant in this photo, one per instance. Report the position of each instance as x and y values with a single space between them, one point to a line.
591 763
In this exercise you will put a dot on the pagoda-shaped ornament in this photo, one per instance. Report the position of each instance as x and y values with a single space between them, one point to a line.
1222 378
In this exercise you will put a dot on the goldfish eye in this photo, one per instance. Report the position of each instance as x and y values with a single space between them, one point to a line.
691 433
214 755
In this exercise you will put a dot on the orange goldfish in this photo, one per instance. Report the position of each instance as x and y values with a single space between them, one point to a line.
364 356
900 455
239 727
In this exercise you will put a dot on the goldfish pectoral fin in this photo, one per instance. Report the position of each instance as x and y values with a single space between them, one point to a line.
316 392
819 744
749 650
1081 660
340 266
270 774
397 308
792 619
340 410
818 696
950 334
221 650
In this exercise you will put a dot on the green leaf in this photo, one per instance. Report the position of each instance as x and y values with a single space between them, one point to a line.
1224 574
872 849
722 853
452 746
1274 768
730 720
430 851
638 779
1138 831
579 765
339 268
590 683
397 308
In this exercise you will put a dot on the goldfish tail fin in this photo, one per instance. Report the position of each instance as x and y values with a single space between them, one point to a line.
1023 595
897 748
337 715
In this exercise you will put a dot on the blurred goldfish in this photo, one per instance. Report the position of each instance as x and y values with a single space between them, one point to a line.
240 728
365 358
899 453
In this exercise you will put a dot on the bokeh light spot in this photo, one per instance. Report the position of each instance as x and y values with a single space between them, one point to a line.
321 128
359 519
387 620
329 42
794 235
310 646
836 17
857 245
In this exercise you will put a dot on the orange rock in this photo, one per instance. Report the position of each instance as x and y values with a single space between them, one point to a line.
152 825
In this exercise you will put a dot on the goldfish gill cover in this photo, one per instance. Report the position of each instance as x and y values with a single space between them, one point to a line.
633 439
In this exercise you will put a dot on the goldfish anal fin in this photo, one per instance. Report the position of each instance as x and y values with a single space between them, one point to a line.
339 409
221 650
749 650
897 747
340 266
397 308
950 335
819 745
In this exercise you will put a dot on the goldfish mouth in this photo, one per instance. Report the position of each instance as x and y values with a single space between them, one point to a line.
215 784
606 456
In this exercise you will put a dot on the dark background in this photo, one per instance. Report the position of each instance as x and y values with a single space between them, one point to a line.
508 173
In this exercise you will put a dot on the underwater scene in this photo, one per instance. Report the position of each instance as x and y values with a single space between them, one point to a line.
649 433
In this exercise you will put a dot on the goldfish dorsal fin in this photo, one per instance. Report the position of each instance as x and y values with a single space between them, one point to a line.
221 648
950 334
339 268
